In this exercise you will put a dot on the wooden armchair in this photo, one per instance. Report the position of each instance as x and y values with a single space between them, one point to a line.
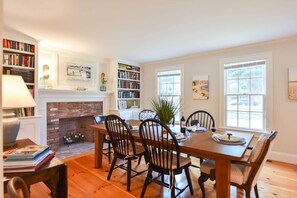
245 173
163 156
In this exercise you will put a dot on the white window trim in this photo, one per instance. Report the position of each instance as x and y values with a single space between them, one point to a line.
269 88
174 67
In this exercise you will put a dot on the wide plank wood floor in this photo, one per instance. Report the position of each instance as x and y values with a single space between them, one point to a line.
276 180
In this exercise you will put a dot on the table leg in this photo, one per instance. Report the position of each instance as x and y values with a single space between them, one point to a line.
99 140
223 169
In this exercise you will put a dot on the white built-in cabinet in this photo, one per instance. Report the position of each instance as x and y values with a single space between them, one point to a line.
126 88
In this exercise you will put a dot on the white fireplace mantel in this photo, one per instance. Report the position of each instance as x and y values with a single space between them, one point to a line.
57 95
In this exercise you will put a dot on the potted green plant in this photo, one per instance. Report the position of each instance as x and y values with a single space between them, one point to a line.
165 109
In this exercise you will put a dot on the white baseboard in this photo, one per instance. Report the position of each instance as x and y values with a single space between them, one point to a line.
283 157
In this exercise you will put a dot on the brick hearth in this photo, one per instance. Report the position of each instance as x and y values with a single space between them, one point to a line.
79 116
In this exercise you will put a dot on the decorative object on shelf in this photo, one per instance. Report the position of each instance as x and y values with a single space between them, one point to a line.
103 81
46 72
79 88
165 109
200 87
293 83
15 94
44 80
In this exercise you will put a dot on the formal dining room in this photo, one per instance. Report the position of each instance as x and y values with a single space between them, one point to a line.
149 99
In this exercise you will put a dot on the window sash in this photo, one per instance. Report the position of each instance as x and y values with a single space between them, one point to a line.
247 113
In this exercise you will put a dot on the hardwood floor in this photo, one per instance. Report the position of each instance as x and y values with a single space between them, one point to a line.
276 180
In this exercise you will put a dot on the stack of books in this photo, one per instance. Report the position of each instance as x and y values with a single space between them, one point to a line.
29 158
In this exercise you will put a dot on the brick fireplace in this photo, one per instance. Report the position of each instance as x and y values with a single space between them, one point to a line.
67 111
70 117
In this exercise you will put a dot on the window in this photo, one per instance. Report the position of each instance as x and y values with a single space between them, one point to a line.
169 85
245 95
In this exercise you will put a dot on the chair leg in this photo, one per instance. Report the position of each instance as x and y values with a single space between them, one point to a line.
256 191
111 167
172 185
109 153
189 180
139 159
146 182
203 178
128 174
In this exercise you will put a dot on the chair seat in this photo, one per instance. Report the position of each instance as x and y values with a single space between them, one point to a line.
236 170
139 150
183 161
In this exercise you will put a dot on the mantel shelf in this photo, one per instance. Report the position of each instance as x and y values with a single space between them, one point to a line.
51 92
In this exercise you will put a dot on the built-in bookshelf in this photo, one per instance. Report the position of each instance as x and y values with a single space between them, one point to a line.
126 88
19 58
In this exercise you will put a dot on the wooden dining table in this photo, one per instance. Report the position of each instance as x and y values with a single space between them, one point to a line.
199 144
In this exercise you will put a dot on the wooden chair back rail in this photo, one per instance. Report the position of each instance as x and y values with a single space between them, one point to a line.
204 118
16 183
159 142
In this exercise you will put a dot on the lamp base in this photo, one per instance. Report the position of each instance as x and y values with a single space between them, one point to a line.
11 126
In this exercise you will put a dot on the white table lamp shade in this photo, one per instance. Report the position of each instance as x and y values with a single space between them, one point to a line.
15 93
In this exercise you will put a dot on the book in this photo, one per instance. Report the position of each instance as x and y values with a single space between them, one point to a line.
29 151
26 161
29 168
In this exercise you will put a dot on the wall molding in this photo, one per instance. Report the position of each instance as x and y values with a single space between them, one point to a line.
283 157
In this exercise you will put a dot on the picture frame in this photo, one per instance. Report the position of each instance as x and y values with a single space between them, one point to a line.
292 83
200 87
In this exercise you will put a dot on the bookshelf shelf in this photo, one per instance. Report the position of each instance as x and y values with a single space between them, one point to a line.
19 58
126 88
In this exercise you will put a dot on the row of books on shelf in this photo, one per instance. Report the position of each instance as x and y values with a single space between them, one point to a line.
18 60
128 94
29 158
128 75
10 44
128 85
27 75
129 67
24 112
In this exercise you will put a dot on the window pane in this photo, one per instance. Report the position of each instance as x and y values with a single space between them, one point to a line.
257 71
232 73
244 72
169 89
231 102
176 90
243 103
232 86
257 120
162 89
169 79
257 85
243 119
231 119
244 86
257 103
177 79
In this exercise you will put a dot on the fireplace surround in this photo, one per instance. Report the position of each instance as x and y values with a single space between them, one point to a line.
56 105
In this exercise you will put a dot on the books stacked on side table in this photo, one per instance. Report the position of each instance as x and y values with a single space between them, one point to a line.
26 159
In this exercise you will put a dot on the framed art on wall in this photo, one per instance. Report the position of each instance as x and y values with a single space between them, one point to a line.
293 83
200 87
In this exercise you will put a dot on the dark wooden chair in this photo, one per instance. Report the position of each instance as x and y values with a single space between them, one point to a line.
100 119
146 114
17 183
205 120
123 146
245 173
163 156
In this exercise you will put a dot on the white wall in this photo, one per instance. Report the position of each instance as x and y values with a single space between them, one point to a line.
57 60
285 110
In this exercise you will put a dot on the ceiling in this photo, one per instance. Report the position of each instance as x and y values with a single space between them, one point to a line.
150 30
